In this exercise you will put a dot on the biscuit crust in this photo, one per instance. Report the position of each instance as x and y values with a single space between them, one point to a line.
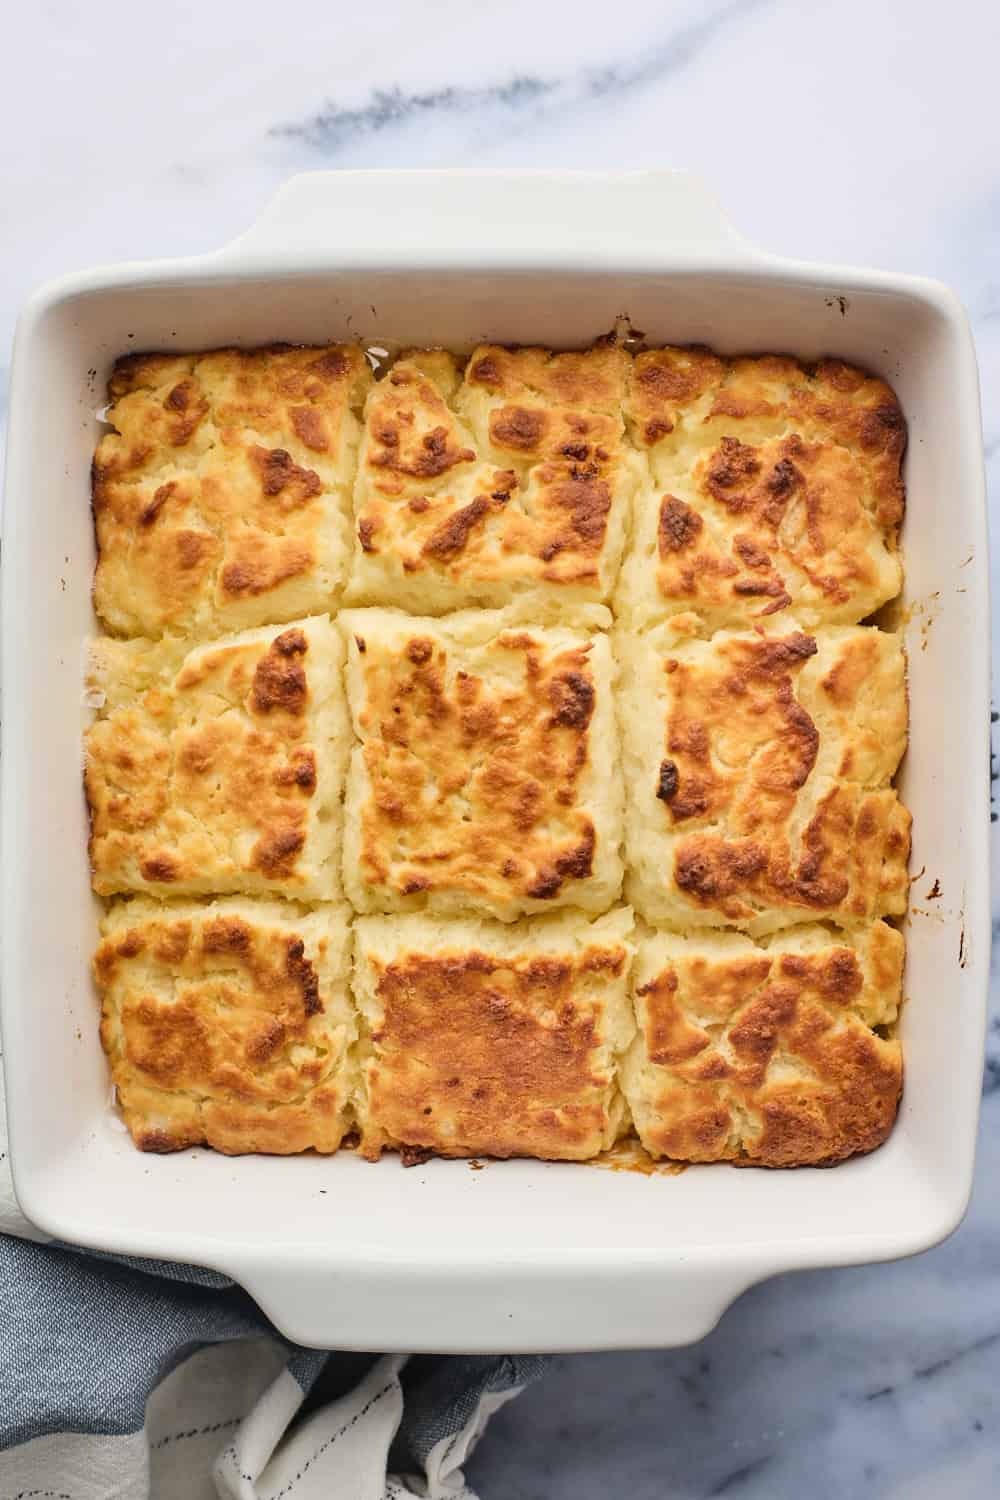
219 769
766 1054
480 1040
758 771
486 779
222 498
771 489
511 480
228 1025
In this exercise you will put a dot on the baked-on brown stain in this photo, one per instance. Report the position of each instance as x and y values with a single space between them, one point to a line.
419 650
451 536
733 465
302 972
666 786
247 577
332 364
485 370
310 427
159 867
300 771
149 512
178 398
517 427
225 935
572 698
783 479
679 524
279 473
186 408
586 503
279 680
276 853
192 548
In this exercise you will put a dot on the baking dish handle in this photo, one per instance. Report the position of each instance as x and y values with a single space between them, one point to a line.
434 215
489 1308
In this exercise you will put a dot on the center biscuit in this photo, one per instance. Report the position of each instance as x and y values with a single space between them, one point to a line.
485 778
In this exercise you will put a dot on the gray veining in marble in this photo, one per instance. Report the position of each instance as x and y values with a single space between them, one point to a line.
518 100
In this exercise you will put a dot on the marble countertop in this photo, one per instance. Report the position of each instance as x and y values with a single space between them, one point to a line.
857 132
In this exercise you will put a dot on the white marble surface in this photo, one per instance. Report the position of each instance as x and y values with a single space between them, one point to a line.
866 131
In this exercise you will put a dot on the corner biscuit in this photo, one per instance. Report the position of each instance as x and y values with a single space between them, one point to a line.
770 488
758 770
505 484
481 1040
220 769
768 1054
228 1025
222 498
485 779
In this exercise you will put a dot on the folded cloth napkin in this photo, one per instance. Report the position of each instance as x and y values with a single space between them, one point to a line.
136 1378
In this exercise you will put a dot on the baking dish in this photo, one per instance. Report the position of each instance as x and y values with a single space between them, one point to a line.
521 1255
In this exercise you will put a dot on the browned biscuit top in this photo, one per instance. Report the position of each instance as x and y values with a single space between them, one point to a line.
766 1055
222 497
228 1024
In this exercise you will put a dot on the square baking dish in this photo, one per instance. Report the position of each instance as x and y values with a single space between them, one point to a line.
522 1255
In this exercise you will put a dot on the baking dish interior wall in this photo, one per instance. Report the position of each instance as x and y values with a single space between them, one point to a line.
91 1168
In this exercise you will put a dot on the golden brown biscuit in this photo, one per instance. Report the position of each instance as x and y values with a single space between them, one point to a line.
771 488
222 769
486 776
766 1054
228 1025
512 481
223 497
482 1040
758 771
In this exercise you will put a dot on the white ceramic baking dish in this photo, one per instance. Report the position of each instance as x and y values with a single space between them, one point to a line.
522 1255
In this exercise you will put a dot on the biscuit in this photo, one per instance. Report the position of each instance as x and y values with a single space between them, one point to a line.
228 1025
223 498
757 770
219 770
484 1040
771 490
486 779
765 1054
512 481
